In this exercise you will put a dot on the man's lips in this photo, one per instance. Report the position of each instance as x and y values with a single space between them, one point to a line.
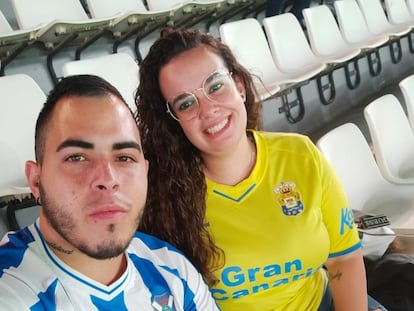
107 213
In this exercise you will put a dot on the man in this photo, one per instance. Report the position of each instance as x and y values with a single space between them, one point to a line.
90 179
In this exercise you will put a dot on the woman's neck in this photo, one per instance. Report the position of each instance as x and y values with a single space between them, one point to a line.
234 166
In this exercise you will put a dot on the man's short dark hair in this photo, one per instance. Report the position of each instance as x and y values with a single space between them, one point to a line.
77 86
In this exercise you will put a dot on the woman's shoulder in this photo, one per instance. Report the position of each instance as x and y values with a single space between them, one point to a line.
284 139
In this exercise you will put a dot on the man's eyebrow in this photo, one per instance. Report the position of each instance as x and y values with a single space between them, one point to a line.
74 143
126 145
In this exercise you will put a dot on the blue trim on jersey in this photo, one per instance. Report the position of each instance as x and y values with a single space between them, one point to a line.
117 303
12 252
154 243
347 251
46 299
235 199
65 270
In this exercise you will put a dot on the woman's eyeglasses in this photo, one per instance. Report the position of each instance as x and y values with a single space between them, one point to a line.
217 87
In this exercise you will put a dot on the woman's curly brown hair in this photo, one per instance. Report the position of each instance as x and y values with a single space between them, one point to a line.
176 202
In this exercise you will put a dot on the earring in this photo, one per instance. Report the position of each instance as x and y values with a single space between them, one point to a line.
243 96
38 201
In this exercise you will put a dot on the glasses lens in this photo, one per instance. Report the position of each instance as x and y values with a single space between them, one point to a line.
218 86
184 106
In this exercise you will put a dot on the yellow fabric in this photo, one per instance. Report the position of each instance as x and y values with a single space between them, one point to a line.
278 226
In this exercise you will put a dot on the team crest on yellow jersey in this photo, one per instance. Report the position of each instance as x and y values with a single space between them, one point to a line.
288 198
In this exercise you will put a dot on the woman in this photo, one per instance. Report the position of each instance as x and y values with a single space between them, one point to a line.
258 213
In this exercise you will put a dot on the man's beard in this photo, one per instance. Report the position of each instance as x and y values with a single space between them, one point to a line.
61 220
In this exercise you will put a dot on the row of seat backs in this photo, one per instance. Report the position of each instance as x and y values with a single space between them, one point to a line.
60 16
285 54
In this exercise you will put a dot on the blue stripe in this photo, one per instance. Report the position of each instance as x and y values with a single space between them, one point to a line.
235 199
12 252
154 243
347 251
46 299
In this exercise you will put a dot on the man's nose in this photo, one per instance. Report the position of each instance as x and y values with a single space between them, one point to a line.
105 177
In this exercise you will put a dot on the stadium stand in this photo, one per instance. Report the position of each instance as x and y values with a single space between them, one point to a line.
407 88
392 139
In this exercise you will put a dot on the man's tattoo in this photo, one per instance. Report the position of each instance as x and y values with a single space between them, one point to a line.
59 248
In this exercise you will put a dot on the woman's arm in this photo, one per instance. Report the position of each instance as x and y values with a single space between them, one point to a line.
348 282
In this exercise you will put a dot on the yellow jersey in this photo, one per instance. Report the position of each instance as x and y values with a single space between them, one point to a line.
278 227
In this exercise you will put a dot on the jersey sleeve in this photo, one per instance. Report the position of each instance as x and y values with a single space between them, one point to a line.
336 213
23 298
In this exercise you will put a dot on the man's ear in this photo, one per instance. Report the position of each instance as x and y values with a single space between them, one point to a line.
32 171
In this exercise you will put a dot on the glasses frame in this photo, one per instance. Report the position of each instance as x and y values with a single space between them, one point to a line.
167 103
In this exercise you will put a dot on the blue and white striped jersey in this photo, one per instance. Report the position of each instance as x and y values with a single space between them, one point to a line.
158 277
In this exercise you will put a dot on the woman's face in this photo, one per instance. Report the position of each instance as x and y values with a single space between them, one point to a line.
206 98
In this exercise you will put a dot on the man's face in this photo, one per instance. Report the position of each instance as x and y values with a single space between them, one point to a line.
92 181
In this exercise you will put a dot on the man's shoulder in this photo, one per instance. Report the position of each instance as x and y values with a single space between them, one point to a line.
151 243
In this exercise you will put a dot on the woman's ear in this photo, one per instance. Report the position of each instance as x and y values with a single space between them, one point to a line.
32 171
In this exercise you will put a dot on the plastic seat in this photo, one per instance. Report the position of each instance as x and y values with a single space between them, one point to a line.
407 88
158 5
119 69
377 21
392 139
350 155
61 22
22 100
105 9
241 36
187 12
290 48
5 27
410 5
353 26
325 37
398 13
